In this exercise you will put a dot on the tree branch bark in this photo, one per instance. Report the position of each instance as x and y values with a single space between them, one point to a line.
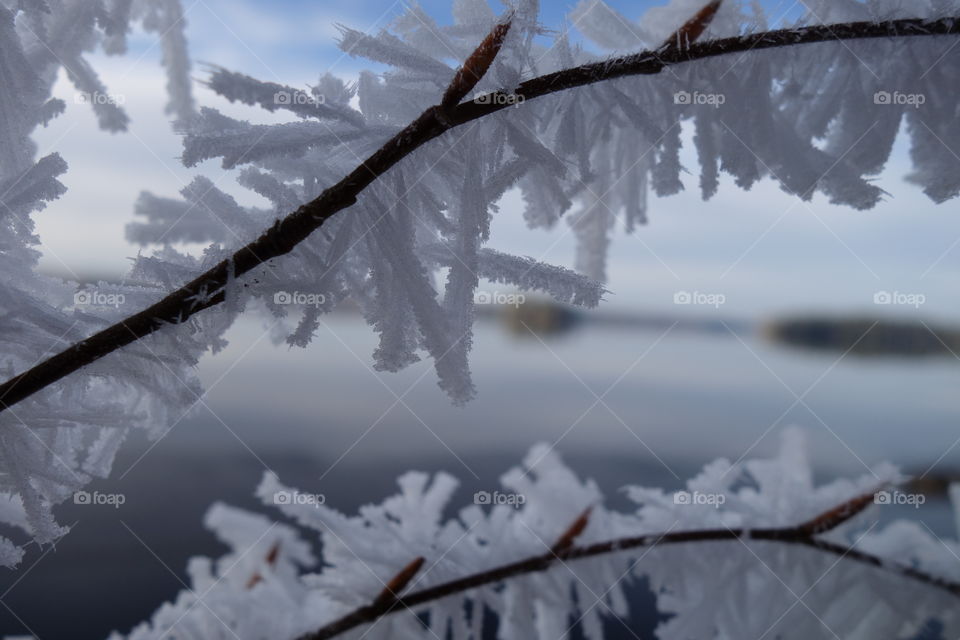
802 534
207 290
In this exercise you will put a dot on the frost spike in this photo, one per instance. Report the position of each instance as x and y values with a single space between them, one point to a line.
477 65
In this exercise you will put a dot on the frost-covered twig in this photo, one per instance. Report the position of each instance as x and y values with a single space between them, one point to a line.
564 550
762 536
207 290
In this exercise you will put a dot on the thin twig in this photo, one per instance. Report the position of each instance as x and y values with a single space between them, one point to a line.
207 290
803 534
476 66
693 28
569 536
271 561
391 592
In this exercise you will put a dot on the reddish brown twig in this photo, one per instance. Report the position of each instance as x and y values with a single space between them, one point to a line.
804 534
830 519
477 65
391 592
566 541
271 560
207 290
692 28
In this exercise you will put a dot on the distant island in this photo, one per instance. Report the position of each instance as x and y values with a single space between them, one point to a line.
865 336
862 336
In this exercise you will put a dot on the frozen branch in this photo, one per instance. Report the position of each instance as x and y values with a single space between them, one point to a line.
208 289
564 550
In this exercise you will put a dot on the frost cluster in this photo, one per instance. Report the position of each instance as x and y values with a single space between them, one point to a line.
57 440
280 581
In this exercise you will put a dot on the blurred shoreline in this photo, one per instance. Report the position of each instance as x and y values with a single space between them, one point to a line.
853 332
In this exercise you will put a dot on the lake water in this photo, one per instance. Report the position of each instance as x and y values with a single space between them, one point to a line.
670 400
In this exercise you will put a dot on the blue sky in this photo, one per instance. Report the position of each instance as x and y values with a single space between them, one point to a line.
302 32
762 249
